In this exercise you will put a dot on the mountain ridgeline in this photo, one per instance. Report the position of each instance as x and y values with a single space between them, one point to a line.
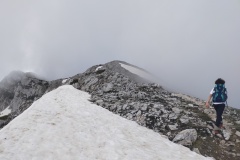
130 92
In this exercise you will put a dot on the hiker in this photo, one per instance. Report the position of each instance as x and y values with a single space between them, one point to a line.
219 99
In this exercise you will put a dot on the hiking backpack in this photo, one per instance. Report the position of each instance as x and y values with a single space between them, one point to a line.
220 93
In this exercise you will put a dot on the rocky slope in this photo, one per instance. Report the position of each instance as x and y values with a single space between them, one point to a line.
17 92
126 90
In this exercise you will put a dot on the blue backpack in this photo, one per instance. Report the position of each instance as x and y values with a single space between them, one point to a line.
220 93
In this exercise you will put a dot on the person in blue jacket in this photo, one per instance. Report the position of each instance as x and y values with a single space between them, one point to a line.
219 99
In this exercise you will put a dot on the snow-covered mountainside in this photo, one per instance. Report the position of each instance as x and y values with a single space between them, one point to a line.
63 124
130 92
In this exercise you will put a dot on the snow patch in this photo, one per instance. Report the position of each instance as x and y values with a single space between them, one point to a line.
98 68
64 124
65 80
5 112
139 72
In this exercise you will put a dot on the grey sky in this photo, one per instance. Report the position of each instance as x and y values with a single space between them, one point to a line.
187 43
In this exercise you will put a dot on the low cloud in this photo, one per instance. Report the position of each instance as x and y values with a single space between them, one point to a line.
187 44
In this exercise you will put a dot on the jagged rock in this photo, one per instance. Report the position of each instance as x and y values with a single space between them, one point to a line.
89 82
176 110
112 108
129 116
108 87
139 113
226 134
73 81
165 116
184 119
173 127
237 122
144 107
124 106
190 105
219 135
123 94
168 134
164 111
76 85
141 95
230 153
157 106
186 137
173 116
99 102
198 122
230 144
237 133
222 142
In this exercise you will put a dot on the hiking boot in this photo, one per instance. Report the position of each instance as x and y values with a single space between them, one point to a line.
221 126
216 127
215 132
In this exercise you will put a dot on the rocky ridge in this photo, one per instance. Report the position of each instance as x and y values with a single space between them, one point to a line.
180 118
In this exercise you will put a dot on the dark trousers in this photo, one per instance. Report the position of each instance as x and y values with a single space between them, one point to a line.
219 111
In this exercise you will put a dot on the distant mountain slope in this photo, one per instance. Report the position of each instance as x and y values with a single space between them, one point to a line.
63 124
18 91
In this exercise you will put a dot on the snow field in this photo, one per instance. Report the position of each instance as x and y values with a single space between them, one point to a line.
64 125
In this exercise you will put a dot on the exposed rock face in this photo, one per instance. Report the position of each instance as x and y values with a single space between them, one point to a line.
18 92
181 118
186 137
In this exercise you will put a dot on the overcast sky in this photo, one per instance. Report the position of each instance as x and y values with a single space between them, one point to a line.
188 44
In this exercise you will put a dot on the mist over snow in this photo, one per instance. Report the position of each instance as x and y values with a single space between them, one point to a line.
188 44
63 124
